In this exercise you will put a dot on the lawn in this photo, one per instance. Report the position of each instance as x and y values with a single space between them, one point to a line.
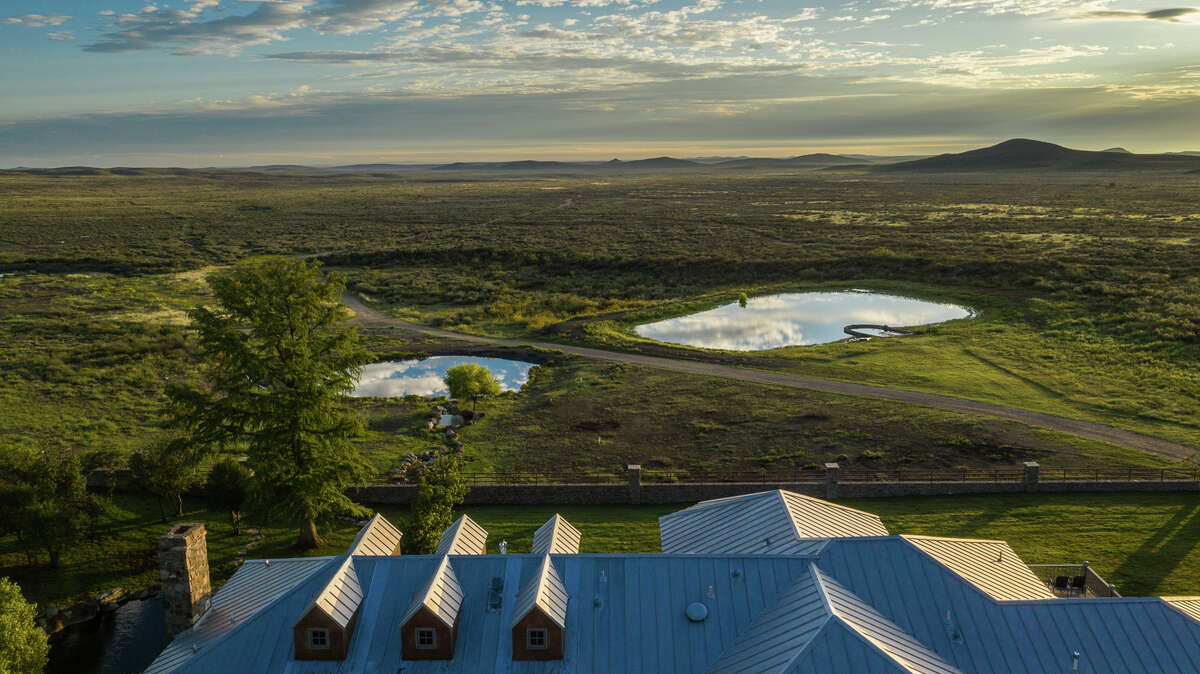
1146 544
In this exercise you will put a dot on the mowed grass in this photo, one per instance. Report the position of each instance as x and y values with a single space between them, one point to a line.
1145 544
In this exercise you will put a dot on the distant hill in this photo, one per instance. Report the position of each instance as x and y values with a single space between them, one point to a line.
527 165
1117 149
802 161
654 162
1022 153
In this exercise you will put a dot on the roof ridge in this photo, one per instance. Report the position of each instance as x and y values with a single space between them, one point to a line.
924 537
862 631
828 502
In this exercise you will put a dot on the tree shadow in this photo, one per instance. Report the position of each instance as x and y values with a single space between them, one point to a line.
1161 553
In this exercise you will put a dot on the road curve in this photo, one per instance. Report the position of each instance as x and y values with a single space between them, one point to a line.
1085 429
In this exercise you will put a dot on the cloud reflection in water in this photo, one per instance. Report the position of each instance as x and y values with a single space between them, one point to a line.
424 377
795 319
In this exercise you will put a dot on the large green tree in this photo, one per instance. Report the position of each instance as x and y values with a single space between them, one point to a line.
280 356
23 645
441 489
471 381
44 501
167 471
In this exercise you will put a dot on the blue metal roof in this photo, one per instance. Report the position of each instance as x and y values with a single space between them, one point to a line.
627 614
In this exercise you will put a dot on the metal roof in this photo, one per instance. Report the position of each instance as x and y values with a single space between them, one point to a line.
464 537
885 635
1189 605
252 588
377 537
992 566
556 537
441 595
779 636
545 591
341 596
769 522
886 605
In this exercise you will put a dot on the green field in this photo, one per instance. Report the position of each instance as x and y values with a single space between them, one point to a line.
1086 283
1145 544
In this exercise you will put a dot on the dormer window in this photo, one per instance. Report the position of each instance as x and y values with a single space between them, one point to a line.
535 639
318 638
426 638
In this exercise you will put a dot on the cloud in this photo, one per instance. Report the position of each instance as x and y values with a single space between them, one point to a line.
178 29
61 37
37 20
1172 15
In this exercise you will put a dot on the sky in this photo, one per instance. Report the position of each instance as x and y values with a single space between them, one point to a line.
326 82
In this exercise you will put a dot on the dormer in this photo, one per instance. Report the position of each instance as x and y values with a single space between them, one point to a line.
323 632
464 537
378 538
430 625
556 537
540 616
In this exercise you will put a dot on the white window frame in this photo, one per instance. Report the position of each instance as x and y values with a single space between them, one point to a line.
323 633
545 633
421 631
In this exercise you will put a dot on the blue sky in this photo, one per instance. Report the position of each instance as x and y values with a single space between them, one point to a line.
236 82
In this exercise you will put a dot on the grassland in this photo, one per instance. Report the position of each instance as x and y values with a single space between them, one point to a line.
1146 544
1087 286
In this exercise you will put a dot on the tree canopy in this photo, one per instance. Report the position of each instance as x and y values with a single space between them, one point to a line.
471 381
440 490
44 501
167 471
228 488
279 357
23 645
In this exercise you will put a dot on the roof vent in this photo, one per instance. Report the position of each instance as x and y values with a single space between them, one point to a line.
697 612
495 596
1075 661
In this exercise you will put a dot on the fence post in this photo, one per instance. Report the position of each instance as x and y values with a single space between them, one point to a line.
635 482
831 480
1033 471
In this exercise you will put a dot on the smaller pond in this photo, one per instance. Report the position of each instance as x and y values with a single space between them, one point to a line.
126 640
393 379
796 319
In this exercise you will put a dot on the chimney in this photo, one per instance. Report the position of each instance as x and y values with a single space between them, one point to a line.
183 570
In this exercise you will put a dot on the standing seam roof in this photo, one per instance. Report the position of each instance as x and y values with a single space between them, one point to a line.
342 595
546 591
991 566
464 537
442 595
885 635
761 523
777 637
556 537
1189 605
378 537
254 586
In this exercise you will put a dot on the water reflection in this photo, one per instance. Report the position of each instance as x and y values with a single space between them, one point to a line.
126 640
795 319
424 377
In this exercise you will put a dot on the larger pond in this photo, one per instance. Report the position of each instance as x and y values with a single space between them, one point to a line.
424 377
796 319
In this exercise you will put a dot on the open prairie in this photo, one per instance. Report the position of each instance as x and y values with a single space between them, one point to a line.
1086 287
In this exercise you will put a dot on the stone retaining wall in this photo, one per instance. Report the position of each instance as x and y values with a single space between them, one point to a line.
638 492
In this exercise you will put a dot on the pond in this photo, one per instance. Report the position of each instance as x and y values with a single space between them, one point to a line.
393 379
126 640
796 319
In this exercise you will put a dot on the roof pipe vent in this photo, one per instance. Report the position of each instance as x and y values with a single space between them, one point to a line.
696 612
1075 661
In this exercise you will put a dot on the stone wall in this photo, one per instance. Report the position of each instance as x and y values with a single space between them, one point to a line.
637 492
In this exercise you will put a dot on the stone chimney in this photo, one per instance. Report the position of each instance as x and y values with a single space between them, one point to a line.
183 569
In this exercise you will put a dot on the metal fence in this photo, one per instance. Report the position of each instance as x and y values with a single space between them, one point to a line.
1073 580
812 475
